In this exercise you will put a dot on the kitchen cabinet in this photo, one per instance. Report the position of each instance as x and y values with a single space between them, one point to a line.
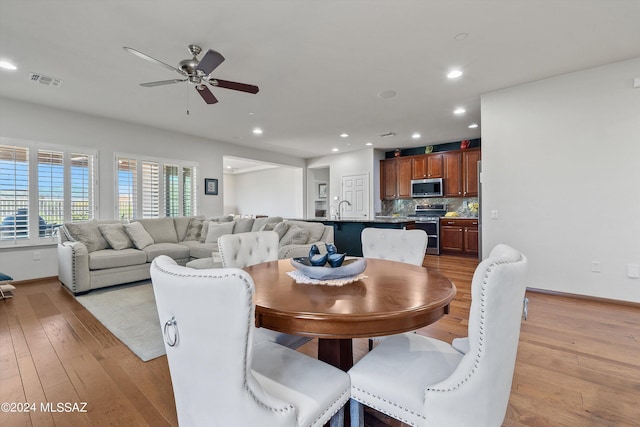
461 173
426 166
395 178
459 236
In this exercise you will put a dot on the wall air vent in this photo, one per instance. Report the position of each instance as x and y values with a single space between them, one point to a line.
45 80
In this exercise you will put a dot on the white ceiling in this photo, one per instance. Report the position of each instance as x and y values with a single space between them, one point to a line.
319 64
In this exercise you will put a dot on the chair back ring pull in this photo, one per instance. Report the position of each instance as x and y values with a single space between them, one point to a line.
171 332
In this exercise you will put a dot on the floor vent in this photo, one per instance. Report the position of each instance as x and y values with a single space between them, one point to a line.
45 80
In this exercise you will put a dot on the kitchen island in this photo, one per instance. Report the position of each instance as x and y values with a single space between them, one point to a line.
346 231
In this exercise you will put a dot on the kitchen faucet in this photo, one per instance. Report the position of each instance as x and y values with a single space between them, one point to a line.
340 207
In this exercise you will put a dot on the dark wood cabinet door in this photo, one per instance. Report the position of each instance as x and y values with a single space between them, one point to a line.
434 166
471 240
452 238
470 160
419 167
452 174
388 179
404 177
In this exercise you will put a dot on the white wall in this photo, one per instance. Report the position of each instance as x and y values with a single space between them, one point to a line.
355 162
561 166
229 194
272 192
33 122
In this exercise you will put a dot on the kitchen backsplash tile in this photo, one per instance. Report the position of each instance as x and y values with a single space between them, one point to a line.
406 207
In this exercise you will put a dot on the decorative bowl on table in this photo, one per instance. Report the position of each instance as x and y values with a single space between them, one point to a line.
350 267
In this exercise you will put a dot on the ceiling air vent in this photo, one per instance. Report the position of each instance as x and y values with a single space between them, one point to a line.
387 135
45 80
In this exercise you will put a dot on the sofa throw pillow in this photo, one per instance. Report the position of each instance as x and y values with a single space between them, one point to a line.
87 232
194 229
116 236
216 230
138 235
281 229
295 236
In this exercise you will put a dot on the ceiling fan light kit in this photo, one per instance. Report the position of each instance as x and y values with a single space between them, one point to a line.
197 72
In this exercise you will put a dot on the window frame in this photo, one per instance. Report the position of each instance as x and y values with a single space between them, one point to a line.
34 148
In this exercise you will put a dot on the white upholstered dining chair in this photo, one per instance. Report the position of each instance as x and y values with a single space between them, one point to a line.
394 244
245 249
400 245
423 381
220 376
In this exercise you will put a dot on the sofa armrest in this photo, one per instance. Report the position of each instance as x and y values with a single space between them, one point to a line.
73 266
294 251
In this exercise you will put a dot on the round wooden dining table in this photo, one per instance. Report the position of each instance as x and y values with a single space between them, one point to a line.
394 297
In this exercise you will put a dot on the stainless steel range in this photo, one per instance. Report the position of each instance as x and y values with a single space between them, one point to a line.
427 218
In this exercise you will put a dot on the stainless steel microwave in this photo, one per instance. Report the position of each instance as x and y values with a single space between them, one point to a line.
431 187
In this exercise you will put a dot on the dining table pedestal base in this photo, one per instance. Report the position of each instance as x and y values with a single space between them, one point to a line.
336 352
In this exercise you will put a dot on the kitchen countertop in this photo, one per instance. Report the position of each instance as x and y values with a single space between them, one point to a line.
377 220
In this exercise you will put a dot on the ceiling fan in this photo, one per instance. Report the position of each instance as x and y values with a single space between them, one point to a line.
197 72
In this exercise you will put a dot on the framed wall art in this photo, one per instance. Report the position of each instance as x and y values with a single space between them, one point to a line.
211 186
322 191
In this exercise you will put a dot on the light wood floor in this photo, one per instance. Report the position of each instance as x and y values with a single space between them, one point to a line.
578 361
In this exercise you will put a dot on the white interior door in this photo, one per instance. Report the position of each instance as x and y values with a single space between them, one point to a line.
355 189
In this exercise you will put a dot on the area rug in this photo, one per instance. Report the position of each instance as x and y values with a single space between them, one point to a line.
129 312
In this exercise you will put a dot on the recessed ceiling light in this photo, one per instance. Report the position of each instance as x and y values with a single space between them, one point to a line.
459 110
344 135
416 135
257 131
473 125
454 74
369 144
386 94
335 149
461 36
7 65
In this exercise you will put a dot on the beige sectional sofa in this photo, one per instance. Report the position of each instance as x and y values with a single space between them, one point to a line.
100 253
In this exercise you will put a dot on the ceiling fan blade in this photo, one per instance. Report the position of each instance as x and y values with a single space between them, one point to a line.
162 82
243 87
210 62
206 94
150 59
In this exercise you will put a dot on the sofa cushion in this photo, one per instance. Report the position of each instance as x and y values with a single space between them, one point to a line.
88 233
111 258
316 229
162 230
217 230
138 235
116 236
200 250
243 225
295 236
260 223
172 250
194 230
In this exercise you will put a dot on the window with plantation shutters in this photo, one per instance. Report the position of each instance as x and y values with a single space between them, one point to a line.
155 187
127 188
82 188
50 190
41 187
150 190
189 194
14 192
171 190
